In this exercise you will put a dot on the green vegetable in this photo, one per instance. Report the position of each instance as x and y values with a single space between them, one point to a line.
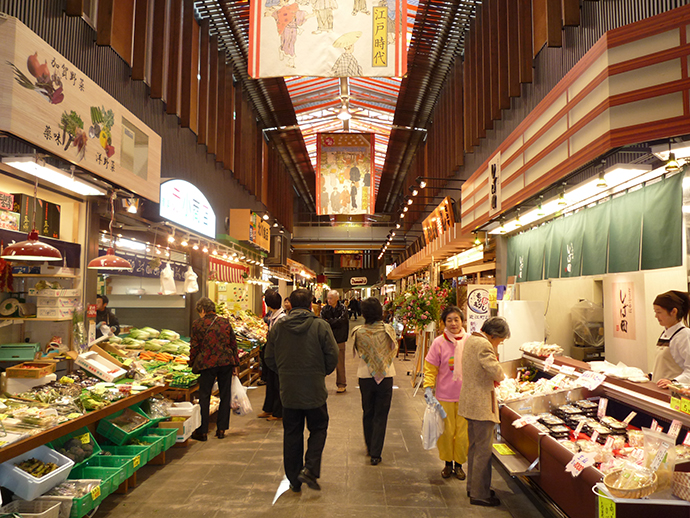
153 333
167 334
152 346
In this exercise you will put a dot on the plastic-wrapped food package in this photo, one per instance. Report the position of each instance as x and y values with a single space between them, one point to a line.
636 438
660 449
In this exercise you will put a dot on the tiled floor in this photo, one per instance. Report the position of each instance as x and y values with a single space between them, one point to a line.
240 475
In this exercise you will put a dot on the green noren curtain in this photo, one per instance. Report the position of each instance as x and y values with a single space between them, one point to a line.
595 239
662 228
572 230
518 253
535 266
552 256
625 231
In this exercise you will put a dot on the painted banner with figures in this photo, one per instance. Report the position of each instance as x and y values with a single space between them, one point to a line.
328 38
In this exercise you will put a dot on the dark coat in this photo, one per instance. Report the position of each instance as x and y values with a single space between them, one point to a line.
110 320
338 319
302 350
213 342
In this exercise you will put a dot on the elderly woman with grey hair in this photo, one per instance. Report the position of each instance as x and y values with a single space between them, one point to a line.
481 373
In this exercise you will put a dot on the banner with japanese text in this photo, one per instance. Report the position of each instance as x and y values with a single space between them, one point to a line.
344 175
328 38
623 310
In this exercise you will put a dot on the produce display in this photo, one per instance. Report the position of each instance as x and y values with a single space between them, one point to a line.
74 488
37 468
511 389
541 349
129 420
76 450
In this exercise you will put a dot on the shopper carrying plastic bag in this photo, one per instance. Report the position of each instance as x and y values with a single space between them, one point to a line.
240 402
432 426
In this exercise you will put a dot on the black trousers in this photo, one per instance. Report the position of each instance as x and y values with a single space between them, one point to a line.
294 458
376 402
272 403
264 367
206 380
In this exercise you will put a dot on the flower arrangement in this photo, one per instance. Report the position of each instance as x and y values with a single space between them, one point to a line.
419 306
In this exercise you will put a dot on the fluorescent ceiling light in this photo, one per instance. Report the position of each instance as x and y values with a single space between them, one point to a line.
681 150
53 175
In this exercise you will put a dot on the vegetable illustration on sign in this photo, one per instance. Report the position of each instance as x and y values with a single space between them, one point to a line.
72 126
102 124
47 84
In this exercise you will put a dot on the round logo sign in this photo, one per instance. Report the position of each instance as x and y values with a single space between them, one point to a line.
478 301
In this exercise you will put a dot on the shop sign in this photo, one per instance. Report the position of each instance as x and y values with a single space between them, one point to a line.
6 201
142 266
358 281
623 310
259 232
182 203
495 184
91 311
477 307
440 220
50 103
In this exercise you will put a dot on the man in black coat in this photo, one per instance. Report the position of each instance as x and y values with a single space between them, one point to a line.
335 313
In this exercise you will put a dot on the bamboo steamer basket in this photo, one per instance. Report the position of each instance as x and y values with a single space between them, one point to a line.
638 492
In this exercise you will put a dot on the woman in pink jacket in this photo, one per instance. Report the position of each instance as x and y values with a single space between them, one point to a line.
443 371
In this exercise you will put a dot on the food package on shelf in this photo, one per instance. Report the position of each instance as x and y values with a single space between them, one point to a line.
541 349
660 456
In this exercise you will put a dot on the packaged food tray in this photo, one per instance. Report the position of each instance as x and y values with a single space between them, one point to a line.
34 509
85 437
117 435
27 486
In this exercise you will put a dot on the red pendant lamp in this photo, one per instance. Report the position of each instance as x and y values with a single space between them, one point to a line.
31 249
110 261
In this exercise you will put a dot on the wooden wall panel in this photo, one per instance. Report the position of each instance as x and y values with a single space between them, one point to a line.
229 122
458 111
547 23
488 122
571 12
212 138
539 16
74 7
189 82
204 43
159 50
238 136
174 59
492 10
513 48
503 69
524 9
469 98
141 43
478 74
115 26
220 110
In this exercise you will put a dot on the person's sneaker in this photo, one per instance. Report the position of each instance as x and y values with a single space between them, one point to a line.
491 502
306 477
447 472
459 472
341 390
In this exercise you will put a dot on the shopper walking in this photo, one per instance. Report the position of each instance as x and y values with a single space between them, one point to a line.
376 344
302 350
213 355
273 408
335 313
481 372
443 372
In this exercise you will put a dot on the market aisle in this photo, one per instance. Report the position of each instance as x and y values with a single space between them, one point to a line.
239 475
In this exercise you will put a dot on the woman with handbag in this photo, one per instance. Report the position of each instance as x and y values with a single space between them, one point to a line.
213 355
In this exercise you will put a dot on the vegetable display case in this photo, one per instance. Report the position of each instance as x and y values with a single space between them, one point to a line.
539 460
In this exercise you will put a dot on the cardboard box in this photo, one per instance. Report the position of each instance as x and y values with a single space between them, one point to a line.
54 312
31 369
57 302
107 355
9 220
97 365
183 427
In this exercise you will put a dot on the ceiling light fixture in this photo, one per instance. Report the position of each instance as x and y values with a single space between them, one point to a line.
131 205
110 261
185 241
672 165
275 223
397 225
39 169
196 246
410 201
344 113
477 241
414 190
266 217
205 249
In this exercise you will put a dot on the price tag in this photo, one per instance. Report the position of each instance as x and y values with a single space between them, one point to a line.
567 370
601 411
528 419
630 417
95 492
591 380
558 379
137 461
660 456
548 363
685 405
85 439
675 429
2 443
579 462
675 404
503 449
686 441
73 415
609 443
595 436
3 417
578 429
607 508
654 426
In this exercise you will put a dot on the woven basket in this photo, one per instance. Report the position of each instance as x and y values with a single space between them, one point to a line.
681 485
639 492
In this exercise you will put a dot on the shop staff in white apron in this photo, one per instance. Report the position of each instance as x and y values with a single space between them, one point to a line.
673 348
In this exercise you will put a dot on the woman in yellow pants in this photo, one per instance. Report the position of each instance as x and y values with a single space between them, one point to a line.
443 372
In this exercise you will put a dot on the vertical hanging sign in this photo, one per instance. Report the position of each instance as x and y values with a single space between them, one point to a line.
623 310
495 184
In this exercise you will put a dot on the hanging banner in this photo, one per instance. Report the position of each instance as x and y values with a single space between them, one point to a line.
224 271
351 261
259 232
623 310
440 220
344 173
477 307
326 38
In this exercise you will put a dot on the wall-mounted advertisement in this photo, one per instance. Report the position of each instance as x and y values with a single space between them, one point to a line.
477 307
182 203
623 310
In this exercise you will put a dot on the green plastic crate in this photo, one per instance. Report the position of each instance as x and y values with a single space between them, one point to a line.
145 408
108 476
18 352
113 461
169 435
141 452
156 442
115 434
82 506
82 432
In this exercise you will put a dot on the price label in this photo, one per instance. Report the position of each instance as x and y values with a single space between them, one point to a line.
609 443
85 439
528 419
578 429
137 461
660 456
579 462
558 379
686 441
675 429
95 492
3 417
607 508
567 370
630 417
685 405
503 449
73 415
601 411
2 443
591 380
654 426
675 404
595 436
548 363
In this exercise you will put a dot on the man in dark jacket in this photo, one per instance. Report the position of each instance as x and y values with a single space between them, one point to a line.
335 313
105 316
302 350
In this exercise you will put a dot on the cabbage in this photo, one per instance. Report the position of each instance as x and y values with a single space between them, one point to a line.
153 333
150 345
115 340
167 334
139 334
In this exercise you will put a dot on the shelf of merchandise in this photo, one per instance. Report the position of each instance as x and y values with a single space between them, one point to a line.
48 276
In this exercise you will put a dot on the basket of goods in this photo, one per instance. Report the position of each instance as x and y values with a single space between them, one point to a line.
631 482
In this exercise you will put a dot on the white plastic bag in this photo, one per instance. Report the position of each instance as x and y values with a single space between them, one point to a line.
168 281
240 402
190 283
432 427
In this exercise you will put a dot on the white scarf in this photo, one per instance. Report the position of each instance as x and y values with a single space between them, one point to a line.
459 342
